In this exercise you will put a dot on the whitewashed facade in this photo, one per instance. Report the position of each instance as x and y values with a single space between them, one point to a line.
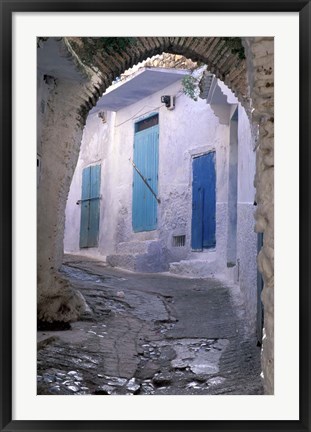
191 129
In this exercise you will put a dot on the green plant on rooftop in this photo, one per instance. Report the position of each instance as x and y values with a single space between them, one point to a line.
190 86
92 46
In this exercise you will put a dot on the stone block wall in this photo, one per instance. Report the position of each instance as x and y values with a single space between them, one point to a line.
260 67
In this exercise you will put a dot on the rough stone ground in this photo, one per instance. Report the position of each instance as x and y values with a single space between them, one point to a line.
151 334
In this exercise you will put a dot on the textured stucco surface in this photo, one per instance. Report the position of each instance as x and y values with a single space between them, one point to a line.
247 267
222 233
60 121
177 146
95 147
111 145
54 178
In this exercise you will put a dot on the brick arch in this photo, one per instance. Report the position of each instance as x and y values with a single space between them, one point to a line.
216 52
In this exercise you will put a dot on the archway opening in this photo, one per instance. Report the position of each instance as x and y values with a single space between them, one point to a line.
156 186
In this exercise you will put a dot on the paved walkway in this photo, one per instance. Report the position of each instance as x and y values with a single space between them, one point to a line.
149 334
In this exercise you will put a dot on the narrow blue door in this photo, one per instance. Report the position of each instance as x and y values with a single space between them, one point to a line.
146 156
203 226
89 226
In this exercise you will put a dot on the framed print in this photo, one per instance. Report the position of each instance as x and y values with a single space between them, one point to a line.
156 254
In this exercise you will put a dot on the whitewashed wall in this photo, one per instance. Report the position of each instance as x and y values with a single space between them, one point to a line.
246 236
96 148
183 135
190 129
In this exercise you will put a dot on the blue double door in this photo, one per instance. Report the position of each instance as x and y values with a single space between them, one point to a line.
146 160
90 199
203 226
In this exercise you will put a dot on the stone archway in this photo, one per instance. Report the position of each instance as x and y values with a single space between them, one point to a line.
73 73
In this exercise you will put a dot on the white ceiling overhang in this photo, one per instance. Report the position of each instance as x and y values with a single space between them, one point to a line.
138 86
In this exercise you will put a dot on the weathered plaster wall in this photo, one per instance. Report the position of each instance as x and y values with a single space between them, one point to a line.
96 147
177 146
182 136
45 86
247 267
191 129
59 137
55 299
222 201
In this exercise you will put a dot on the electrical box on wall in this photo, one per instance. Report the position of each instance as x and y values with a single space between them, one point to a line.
102 116
169 101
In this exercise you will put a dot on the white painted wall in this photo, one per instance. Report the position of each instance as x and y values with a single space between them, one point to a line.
96 148
189 130
44 87
246 236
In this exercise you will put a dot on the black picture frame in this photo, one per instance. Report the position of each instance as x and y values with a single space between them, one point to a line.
7 9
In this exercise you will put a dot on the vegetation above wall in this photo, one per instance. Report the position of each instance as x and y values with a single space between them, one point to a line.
88 48
92 46
235 43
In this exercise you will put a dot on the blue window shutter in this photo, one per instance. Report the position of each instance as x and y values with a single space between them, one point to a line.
85 207
146 158
94 206
89 225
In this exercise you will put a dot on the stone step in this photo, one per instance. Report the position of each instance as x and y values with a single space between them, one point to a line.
133 256
194 268
206 255
134 247
124 261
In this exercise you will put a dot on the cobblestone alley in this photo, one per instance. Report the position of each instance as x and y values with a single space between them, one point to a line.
149 334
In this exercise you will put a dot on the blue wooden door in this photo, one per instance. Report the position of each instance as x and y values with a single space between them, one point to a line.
203 226
89 226
146 156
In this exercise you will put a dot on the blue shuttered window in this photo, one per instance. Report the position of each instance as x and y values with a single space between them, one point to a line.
89 225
